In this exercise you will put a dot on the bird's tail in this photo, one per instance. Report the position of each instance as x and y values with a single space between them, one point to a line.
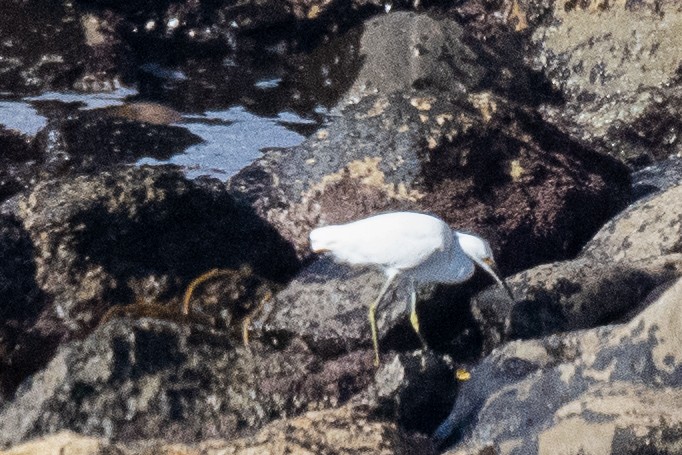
321 239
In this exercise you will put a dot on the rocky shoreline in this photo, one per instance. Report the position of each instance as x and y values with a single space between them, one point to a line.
550 128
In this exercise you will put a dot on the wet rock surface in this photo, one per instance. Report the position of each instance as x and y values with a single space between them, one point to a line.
132 235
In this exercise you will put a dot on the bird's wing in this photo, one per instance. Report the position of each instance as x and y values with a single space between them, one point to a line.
400 245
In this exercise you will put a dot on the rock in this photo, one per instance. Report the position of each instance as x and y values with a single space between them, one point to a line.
62 443
141 379
565 296
127 236
475 158
21 301
404 50
415 389
86 141
59 51
481 162
16 162
139 234
617 68
347 430
543 198
328 305
649 228
629 257
537 394
656 178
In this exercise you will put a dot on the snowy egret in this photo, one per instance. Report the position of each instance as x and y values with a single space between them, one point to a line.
419 247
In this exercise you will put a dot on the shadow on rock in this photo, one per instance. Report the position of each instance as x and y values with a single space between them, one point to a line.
139 235
23 349
81 141
573 392
635 252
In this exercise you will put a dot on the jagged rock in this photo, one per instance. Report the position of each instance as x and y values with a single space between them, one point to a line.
479 161
415 389
328 306
60 50
403 51
16 157
651 227
613 387
605 73
127 236
347 430
141 379
476 159
86 141
630 256
20 303
139 234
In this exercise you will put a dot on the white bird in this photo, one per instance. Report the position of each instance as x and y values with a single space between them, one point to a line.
419 247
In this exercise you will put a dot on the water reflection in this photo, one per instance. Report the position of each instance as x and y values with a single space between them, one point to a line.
232 140
225 140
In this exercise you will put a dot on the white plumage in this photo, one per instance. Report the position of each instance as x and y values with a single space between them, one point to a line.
416 246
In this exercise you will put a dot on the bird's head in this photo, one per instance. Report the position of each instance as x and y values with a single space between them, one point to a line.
479 251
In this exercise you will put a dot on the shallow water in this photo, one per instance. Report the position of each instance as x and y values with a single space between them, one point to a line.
230 139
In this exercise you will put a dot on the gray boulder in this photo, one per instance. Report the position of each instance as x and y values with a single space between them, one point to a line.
629 257
612 383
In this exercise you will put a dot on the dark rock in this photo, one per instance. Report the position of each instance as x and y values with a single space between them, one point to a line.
93 140
328 305
142 379
128 236
478 160
51 46
85 141
139 234
416 390
630 256
576 390
17 163
22 350
572 295
435 57
534 194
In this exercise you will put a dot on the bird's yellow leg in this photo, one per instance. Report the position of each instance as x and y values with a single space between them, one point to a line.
414 320
373 320
375 338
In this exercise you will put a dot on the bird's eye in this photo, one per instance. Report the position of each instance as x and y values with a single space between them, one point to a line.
490 261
